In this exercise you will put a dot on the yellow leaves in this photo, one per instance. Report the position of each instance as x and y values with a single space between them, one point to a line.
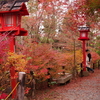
18 61
68 59
79 56
78 68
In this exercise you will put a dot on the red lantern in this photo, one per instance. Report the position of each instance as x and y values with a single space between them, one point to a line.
84 36
10 26
10 20
83 33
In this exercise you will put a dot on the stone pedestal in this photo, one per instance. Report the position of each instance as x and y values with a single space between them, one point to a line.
85 73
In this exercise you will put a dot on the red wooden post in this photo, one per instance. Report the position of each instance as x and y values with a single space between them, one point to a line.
13 81
84 56
12 69
12 43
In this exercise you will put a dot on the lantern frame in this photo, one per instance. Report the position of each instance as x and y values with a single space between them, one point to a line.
83 33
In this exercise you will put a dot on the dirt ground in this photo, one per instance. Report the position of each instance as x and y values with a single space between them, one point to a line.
82 88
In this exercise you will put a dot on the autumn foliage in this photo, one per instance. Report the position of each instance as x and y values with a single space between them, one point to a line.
95 57
40 57
17 61
51 20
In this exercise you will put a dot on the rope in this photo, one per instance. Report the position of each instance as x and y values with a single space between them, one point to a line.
12 91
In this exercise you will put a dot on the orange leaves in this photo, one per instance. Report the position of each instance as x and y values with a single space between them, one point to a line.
79 56
67 59
95 56
18 61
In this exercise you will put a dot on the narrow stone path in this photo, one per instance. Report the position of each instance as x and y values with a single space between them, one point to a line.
83 88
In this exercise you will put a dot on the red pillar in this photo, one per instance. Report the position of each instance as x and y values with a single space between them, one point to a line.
12 68
84 56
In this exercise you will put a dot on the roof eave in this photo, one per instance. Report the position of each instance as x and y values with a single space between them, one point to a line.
23 8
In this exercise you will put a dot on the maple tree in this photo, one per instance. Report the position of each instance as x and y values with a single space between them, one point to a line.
39 61
95 57
42 56
44 20
18 61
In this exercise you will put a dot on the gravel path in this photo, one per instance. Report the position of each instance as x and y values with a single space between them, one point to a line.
82 88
